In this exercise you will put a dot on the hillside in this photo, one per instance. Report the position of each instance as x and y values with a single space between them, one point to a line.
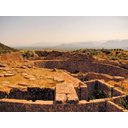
5 49
112 54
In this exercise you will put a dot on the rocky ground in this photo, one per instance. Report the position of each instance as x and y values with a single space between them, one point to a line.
25 74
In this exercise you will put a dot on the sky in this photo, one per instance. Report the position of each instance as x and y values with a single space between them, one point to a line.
27 30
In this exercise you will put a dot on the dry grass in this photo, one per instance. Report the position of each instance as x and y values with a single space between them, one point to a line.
14 80
8 57
124 84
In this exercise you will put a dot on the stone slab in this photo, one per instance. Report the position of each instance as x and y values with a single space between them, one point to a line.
72 98
60 98
65 89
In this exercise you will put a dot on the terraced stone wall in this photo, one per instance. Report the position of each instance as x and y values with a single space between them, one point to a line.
75 66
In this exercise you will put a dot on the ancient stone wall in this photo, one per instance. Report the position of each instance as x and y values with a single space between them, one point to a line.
30 93
24 99
99 105
13 105
75 66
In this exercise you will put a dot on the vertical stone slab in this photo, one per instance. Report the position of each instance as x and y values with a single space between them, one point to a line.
72 98
78 92
84 92
60 98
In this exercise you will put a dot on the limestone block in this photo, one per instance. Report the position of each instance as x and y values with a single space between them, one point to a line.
77 89
65 88
72 98
60 98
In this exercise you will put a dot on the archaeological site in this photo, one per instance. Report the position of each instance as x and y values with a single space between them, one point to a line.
62 82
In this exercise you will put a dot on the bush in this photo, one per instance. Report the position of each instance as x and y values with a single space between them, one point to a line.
28 53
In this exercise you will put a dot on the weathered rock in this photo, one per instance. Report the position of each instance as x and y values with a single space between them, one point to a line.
31 79
54 70
49 77
8 75
23 84
51 82
58 79
29 76
24 74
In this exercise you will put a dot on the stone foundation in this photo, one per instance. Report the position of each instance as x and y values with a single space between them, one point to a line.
64 98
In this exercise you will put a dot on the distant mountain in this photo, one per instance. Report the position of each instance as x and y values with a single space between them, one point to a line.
44 44
78 44
5 49
122 44
115 44
64 45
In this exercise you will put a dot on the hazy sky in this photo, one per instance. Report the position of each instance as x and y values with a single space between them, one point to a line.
61 29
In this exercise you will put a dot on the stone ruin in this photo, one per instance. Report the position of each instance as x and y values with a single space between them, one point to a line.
88 96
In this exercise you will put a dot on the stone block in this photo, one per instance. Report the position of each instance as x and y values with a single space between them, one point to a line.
65 88
60 98
77 89
72 98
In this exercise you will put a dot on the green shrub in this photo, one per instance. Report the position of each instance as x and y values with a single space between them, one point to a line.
28 53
